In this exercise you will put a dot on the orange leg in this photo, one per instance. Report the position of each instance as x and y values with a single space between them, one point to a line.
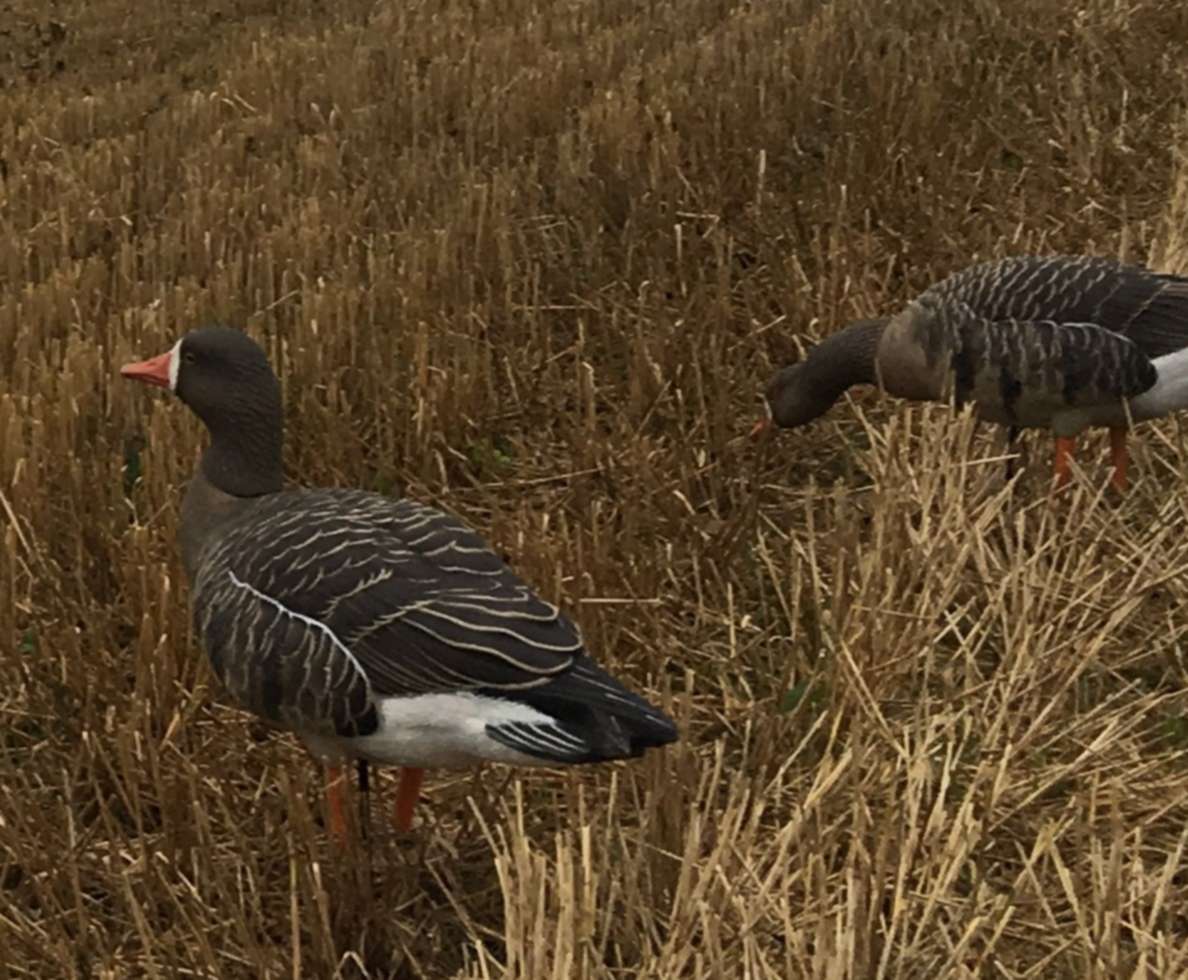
336 802
407 794
1119 456
1064 451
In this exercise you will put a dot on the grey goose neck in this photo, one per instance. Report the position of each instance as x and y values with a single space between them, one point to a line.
847 358
205 512
228 383
804 391
226 380
244 462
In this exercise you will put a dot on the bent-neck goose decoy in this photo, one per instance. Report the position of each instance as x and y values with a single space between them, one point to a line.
376 629
1056 342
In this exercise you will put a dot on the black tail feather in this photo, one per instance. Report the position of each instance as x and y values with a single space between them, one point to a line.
588 704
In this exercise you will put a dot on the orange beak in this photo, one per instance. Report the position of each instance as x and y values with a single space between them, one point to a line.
154 371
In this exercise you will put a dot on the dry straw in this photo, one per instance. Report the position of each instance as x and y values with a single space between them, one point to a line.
533 261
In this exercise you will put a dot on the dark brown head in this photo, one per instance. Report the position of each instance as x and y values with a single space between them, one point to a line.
226 380
799 393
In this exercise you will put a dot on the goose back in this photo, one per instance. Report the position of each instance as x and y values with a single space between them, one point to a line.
1017 373
1149 308
316 605
1036 341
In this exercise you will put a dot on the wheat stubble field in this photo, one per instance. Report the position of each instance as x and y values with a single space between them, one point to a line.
533 262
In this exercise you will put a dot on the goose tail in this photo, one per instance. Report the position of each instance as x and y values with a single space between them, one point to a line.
598 718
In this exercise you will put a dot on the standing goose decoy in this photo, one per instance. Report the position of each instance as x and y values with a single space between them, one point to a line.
376 629
1060 342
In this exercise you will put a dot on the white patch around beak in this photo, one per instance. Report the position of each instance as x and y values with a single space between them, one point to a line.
174 365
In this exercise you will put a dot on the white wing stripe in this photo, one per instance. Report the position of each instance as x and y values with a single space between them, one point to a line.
501 654
481 648
312 623
546 738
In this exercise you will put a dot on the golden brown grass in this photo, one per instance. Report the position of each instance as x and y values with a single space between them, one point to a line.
534 262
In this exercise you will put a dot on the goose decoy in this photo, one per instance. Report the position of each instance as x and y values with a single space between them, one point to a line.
1055 342
376 629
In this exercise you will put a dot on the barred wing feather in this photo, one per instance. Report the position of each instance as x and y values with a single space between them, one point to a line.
1149 308
1031 369
323 600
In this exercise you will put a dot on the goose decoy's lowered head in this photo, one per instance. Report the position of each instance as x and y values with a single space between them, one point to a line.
376 629
1057 342
802 392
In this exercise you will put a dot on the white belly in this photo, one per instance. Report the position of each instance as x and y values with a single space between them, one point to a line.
434 731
